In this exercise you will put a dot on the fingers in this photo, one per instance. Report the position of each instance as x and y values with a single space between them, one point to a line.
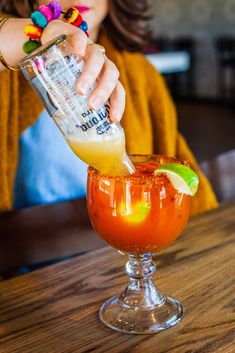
106 83
101 70
79 42
94 61
76 37
118 100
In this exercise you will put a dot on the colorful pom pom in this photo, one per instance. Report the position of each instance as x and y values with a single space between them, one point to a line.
30 46
78 21
33 31
71 14
39 19
56 9
46 11
84 26
44 15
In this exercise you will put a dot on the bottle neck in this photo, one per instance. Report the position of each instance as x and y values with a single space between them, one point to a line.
128 164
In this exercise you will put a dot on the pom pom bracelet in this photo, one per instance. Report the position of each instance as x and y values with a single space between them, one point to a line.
45 14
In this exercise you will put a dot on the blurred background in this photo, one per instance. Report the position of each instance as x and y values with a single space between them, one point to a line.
193 46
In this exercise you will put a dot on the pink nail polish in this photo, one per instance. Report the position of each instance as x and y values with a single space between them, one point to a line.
96 103
83 87
115 117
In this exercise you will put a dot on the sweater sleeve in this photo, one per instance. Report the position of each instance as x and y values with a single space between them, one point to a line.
169 141
8 135
162 111
205 198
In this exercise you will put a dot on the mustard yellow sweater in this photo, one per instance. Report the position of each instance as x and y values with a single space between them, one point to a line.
149 121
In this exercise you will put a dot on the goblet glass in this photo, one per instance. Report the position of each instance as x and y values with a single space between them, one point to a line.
138 215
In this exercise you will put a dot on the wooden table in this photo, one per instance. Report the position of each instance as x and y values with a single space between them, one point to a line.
55 309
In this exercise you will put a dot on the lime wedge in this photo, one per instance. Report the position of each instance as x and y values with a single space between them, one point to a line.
184 179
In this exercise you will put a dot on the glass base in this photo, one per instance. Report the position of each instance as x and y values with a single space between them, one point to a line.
128 317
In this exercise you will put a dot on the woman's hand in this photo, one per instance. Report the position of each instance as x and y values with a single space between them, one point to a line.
97 68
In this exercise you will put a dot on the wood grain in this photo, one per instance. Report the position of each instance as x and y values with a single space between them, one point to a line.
56 309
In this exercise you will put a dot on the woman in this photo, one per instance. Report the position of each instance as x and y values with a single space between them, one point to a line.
149 118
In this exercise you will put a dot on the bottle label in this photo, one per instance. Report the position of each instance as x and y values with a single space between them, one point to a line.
94 121
56 84
45 97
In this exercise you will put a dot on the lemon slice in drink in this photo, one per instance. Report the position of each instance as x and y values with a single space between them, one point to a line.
183 179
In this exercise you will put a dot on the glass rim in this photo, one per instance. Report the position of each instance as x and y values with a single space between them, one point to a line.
41 50
131 177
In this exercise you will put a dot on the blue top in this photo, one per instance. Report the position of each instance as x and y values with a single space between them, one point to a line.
48 170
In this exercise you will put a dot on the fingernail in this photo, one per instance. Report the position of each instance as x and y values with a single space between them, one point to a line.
115 116
83 87
96 103
80 51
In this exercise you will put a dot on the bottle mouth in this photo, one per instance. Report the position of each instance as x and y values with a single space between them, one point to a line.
41 50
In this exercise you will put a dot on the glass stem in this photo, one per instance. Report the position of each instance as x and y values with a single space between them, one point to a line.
141 292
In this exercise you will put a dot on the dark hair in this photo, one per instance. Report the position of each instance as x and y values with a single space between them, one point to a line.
127 22
17 8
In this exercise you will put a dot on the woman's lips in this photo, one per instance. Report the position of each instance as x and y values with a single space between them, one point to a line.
83 9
